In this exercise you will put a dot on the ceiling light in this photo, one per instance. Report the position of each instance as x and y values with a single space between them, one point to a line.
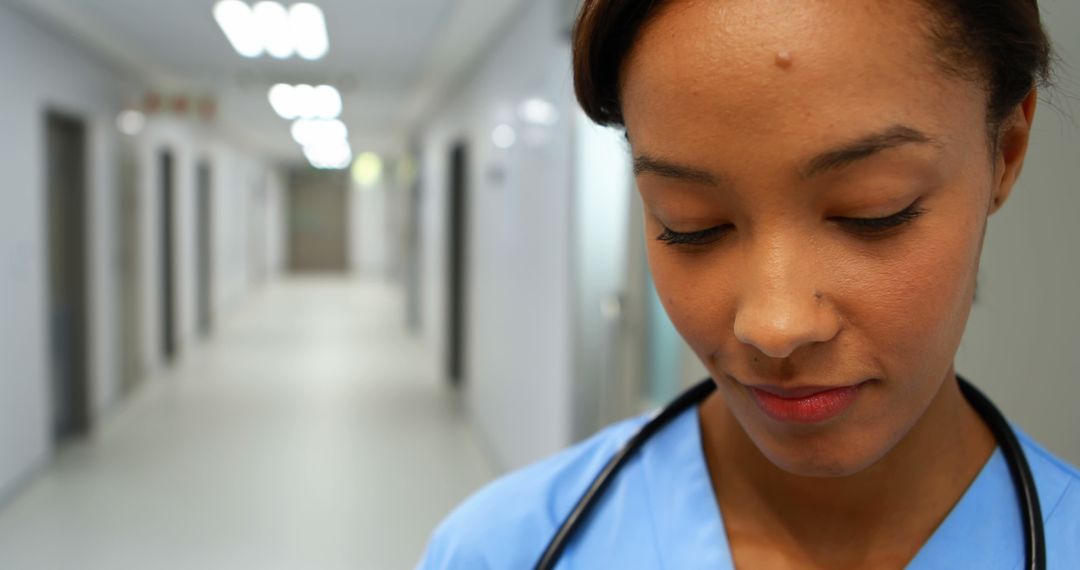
238 23
317 132
130 122
305 102
272 21
336 155
325 102
283 99
367 169
269 27
308 30
538 112
503 136
303 94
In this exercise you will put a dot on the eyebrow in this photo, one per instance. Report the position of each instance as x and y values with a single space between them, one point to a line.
864 147
644 163
892 137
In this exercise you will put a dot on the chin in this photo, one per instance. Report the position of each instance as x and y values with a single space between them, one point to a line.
817 466
820 455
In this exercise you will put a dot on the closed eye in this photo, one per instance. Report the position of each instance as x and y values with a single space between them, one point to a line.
700 237
873 226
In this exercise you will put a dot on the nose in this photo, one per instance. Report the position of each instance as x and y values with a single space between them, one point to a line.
782 307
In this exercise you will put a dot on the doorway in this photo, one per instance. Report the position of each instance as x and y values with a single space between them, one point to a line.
66 211
168 263
203 237
457 257
412 187
318 221
129 295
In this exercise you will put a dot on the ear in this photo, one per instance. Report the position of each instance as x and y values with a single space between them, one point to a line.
1012 144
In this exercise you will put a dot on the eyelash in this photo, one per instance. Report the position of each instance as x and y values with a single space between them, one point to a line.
869 227
700 237
880 225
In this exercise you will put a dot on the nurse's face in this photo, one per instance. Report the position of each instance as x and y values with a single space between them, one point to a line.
816 189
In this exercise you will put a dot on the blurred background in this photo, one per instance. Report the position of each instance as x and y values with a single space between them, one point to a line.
280 284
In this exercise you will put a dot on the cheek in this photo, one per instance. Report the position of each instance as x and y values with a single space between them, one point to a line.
912 307
904 301
697 294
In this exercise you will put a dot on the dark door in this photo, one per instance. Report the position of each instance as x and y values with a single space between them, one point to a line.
130 292
318 221
458 209
203 239
66 175
168 265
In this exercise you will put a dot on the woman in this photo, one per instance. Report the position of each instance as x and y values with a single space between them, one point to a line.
817 178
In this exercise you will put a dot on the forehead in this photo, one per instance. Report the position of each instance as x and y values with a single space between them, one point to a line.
788 72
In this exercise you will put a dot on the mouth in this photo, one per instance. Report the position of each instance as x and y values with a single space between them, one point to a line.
804 404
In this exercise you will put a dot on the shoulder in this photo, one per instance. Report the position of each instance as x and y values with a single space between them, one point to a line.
508 523
1059 497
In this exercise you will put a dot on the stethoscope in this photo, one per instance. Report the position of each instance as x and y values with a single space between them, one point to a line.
1023 482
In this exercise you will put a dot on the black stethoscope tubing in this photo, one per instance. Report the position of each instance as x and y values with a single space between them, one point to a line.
1019 470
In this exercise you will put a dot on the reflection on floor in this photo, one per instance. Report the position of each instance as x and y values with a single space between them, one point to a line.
310 433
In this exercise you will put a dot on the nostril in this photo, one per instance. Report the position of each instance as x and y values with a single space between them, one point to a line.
778 327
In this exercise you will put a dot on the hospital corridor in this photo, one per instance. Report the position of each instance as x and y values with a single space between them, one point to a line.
312 432
284 283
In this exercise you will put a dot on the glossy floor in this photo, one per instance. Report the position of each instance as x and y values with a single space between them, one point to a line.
309 432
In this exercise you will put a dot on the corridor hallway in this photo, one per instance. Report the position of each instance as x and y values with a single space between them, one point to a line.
309 432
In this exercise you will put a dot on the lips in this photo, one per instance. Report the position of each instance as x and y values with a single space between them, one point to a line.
810 404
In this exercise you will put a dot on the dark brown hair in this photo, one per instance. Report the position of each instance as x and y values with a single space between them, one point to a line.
1003 41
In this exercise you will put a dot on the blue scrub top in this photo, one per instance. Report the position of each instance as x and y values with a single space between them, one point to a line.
661 512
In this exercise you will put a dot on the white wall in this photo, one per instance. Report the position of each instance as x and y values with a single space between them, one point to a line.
378 223
369 230
247 226
238 177
518 358
41 72
601 218
275 223
1022 343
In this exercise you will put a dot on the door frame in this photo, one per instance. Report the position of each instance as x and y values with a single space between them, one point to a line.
204 250
129 299
168 281
79 422
457 261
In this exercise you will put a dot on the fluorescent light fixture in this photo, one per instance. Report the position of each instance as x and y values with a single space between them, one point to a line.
238 23
304 95
308 30
334 155
272 22
130 122
538 112
325 102
367 169
503 136
268 27
283 99
305 102
318 132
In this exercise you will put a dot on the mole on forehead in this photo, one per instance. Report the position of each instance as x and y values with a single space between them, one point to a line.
783 59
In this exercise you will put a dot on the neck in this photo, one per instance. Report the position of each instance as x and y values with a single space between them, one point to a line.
885 512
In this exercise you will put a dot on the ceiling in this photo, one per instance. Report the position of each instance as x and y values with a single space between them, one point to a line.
391 59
